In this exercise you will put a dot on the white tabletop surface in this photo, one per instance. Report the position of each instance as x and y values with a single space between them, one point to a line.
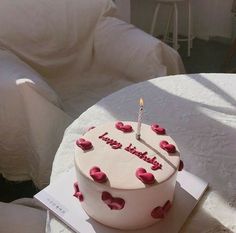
199 112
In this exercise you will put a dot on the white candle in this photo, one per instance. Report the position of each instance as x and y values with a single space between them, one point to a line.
140 114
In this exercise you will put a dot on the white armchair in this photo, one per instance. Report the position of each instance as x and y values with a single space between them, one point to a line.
57 58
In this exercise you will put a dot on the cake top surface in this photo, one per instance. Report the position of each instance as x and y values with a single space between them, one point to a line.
121 157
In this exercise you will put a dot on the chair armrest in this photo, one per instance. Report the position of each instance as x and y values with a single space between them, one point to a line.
32 122
132 52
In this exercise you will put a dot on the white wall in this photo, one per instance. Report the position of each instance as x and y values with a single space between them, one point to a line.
210 17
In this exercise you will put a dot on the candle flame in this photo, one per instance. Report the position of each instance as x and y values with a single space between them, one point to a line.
141 102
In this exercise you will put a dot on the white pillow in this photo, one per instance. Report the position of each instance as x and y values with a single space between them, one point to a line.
51 34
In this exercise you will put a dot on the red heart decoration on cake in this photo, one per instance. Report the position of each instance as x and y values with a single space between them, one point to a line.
157 212
157 129
170 148
98 175
156 166
77 193
84 144
144 176
125 128
76 187
114 203
160 212
181 165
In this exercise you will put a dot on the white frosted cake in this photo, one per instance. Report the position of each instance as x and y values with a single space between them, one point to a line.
123 182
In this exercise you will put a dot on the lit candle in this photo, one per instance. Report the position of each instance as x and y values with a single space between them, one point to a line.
140 113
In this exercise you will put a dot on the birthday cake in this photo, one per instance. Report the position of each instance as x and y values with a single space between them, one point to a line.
123 182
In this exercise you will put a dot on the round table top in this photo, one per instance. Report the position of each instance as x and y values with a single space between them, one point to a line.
199 112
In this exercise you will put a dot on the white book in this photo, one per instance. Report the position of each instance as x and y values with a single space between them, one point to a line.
58 198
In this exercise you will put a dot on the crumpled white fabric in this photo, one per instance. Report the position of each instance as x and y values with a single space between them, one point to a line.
51 37
136 55
75 51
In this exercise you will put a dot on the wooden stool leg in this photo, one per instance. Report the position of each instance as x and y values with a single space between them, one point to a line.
190 45
175 23
154 19
166 35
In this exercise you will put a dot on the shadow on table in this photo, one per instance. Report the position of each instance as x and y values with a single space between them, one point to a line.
203 222
204 132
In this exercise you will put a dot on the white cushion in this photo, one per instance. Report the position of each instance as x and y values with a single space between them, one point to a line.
50 35
132 52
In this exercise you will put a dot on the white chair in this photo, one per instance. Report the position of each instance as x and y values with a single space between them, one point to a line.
174 12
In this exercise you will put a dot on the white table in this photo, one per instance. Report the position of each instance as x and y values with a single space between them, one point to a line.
199 112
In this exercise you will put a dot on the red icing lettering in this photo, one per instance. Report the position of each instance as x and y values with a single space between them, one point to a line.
137 153
128 147
143 156
113 143
153 159
116 146
148 160
156 165
101 136
131 149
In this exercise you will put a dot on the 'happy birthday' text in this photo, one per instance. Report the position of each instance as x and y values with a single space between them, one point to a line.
131 149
